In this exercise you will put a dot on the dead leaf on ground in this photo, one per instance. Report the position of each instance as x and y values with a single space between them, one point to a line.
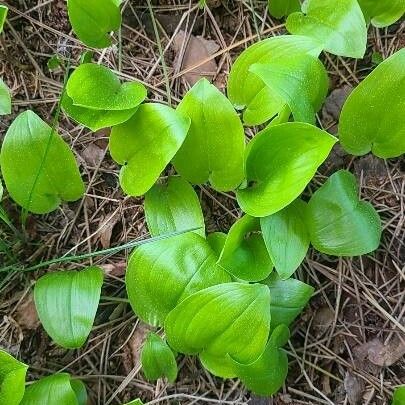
323 319
132 350
105 233
26 314
333 105
354 387
114 269
93 155
191 51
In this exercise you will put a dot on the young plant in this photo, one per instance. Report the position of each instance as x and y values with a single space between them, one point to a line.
38 167
3 16
382 13
371 116
67 303
5 99
339 27
158 359
96 98
146 144
338 223
283 8
280 162
12 379
93 20
399 396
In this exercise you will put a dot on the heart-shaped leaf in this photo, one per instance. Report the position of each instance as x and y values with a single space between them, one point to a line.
371 116
12 379
53 390
38 167
286 237
5 99
158 359
145 144
382 13
217 242
97 87
288 299
300 80
173 206
247 91
244 254
280 162
215 143
93 20
241 327
3 16
399 396
266 375
283 8
67 303
339 27
163 273
338 223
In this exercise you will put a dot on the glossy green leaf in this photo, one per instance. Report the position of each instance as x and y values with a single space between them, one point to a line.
217 241
286 237
67 303
266 375
247 91
300 80
215 143
288 299
3 16
12 379
399 396
241 327
135 402
339 27
244 254
145 144
80 391
93 20
220 366
5 99
97 87
53 390
38 167
382 13
338 223
173 206
280 162
372 116
283 8
163 273
158 359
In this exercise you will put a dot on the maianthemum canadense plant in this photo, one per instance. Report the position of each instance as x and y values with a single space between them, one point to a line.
226 298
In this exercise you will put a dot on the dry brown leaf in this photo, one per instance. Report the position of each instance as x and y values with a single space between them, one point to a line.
191 51
105 232
26 314
93 155
323 319
114 269
354 387
132 350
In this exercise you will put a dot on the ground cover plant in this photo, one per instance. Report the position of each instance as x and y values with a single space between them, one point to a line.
229 298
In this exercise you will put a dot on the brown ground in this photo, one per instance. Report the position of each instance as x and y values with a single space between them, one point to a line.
347 347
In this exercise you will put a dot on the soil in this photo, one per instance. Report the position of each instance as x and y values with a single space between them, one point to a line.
347 347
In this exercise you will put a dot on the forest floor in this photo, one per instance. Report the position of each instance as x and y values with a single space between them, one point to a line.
347 347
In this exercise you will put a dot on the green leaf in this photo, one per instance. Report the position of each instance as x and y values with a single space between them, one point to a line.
80 391
286 237
217 241
399 396
54 62
85 83
223 366
67 303
215 143
12 379
248 91
53 390
372 116
145 144
163 273
280 162
173 206
3 16
339 27
93 20
244 254
135 402
5 99
300 80
338 223
266 375
241 326
288 299
382 13
38 167
158 359
283 8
